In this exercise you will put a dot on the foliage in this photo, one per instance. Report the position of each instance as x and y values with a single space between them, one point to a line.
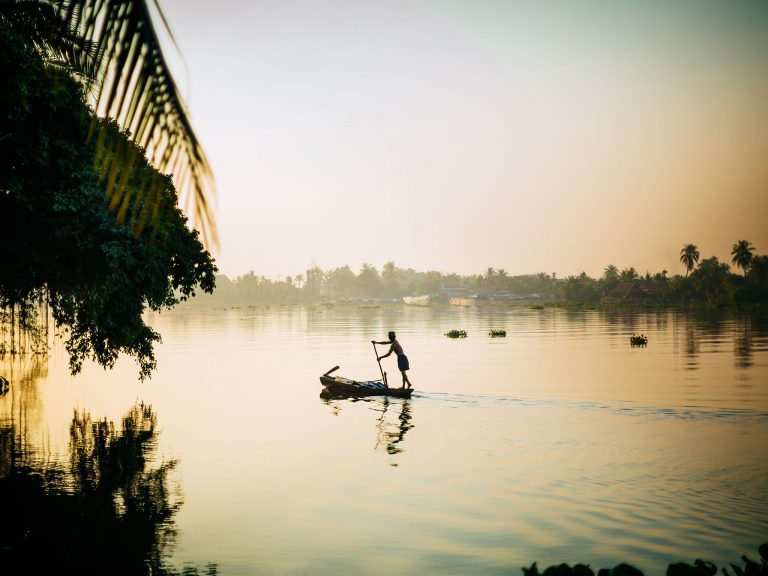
114 43
742 254
698 568
456 333
341 284
711 286
497 333
689 256
59 234
636 340
710 283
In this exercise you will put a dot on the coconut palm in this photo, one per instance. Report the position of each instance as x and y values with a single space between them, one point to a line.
628 274
115 43
611 272
742 254
689 256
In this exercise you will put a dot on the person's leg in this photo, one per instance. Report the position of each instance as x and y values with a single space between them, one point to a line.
406 380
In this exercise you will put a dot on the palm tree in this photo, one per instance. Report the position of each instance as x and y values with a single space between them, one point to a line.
611 272
742 254
628 274
114 43
689 256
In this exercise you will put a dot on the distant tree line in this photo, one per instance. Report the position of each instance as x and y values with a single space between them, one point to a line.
391 282
706 281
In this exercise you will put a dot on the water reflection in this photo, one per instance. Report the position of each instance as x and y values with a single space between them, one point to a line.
109 509
742 350
691 345
392 425
394 420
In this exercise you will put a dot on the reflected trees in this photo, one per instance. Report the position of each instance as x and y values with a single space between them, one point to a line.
109 510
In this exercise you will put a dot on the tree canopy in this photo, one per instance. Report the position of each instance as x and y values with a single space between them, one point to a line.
58 232
114 44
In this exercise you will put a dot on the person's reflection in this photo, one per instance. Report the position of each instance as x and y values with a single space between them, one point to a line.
392 426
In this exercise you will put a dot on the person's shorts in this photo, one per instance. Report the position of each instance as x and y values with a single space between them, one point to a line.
402 363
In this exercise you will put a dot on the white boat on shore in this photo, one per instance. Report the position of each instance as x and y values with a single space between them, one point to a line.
417 300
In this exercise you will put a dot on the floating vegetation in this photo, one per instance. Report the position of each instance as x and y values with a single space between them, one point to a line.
497 333
537 307
456 334
641 340
698 568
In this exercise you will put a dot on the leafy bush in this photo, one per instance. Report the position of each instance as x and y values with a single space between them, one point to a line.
456 334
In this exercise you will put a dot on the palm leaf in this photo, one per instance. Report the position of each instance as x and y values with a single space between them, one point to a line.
135 87
56 42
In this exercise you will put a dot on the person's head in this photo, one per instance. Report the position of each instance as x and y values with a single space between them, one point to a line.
391 335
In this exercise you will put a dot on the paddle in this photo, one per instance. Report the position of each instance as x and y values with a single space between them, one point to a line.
383 374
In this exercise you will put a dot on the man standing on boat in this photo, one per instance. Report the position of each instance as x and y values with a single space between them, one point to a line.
402 359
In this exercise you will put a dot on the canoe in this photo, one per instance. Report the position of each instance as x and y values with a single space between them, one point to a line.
340 387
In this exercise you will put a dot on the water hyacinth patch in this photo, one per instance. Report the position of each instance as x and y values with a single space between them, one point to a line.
641 340
456 334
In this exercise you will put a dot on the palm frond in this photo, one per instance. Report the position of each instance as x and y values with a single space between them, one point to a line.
136 89
40 24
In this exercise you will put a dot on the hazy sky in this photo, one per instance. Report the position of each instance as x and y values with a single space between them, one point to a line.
531 136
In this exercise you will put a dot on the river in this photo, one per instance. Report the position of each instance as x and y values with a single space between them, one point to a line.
557 443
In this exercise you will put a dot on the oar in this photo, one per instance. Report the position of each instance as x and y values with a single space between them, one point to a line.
383 375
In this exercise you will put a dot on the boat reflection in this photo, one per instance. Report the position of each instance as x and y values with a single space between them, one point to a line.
393 421
392 425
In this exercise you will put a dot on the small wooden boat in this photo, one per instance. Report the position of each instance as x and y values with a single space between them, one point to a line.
340 387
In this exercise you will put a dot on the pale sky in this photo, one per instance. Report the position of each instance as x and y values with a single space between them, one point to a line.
533 136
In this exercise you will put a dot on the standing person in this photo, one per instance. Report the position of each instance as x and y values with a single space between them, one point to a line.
402 359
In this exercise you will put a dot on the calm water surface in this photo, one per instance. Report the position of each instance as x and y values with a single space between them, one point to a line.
558 443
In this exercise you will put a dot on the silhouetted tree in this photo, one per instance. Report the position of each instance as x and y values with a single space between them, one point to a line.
389 277
611 272
115 44
712 281
58 233
742 254
628 274
689 256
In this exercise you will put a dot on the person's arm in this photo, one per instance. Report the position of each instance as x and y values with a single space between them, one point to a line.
382 343
391 349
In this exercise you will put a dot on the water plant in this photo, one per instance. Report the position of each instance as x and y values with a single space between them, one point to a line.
641 340
698 568
456 334
497 333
